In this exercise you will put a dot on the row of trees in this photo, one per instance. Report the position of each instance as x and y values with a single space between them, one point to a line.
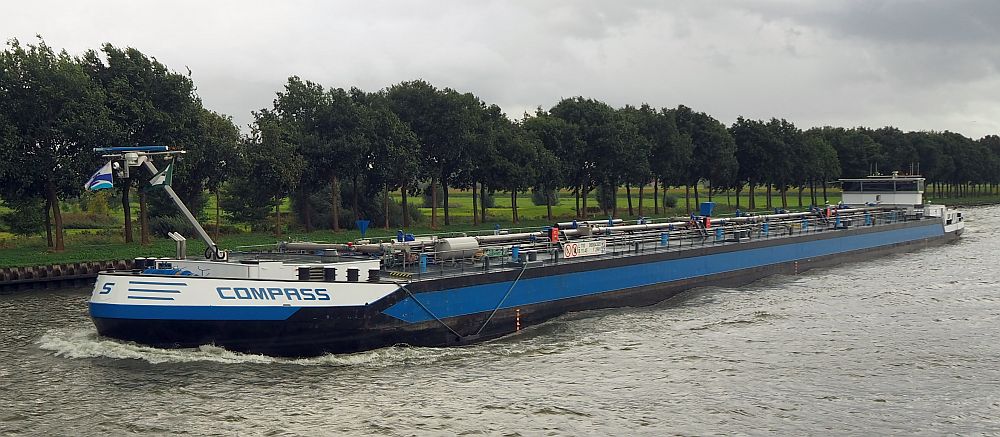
56 108
338 153
412 133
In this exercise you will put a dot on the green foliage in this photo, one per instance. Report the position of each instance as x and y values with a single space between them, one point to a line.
713 148
89 220
669 201
52 117
427 199
607 197
543 197
666 151
25 217
96 202
609 139
161 205
160 226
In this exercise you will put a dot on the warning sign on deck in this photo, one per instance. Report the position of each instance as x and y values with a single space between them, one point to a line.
584 248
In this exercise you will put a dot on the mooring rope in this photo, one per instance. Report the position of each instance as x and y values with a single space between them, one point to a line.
428 310
487 322
523 268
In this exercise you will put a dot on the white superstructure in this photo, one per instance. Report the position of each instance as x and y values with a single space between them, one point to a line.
884 190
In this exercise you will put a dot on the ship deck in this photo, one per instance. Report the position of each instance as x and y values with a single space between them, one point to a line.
421 262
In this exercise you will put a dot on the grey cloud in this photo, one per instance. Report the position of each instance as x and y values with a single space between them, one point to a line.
930 22
916 64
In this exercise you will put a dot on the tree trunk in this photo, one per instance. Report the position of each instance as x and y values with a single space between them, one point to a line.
306 210
603 205
517 213
354 197
825 199
576 195
614 201
434 203
628 195
60 244
812 192
513 207
335 202
640 198
769 203
584 195
444 193
656 196
548 206
697 199
475 203
801 189
218 224
143 219
48 222
482 203
739 188
405 204
385 204
687 199
784 197
127 209
752 196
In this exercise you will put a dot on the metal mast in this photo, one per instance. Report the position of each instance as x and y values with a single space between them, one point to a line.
128 157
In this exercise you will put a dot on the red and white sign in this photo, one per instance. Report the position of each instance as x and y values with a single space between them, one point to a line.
584 248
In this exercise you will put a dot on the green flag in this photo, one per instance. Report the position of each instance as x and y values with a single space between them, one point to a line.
163 177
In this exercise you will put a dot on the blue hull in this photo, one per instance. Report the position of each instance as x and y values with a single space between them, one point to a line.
457 310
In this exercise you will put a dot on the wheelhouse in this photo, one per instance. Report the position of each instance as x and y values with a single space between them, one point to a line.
884 190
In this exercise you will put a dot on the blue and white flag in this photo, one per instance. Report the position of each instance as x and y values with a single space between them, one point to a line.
101 179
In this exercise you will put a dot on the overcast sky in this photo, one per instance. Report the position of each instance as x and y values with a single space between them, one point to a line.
917 65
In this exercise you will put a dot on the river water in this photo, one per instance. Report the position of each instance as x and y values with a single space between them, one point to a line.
904 344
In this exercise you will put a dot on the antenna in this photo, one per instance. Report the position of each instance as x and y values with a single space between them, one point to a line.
136 156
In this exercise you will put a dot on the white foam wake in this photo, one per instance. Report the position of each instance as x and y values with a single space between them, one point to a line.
85 344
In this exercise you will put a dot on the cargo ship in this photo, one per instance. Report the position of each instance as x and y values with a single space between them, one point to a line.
301 299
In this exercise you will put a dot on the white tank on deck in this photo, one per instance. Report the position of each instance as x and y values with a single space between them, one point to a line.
457 247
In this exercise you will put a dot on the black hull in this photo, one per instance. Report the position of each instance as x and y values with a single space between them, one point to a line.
316 331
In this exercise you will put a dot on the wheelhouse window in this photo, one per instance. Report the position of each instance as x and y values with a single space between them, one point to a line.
853 186
879 186
882 186
907 186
